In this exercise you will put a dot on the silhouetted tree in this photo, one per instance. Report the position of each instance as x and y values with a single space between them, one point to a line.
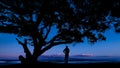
71 21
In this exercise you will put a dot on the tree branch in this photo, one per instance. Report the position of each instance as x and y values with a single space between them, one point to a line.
48 31
26 50
20 42
53 39
4 5
65 42
54 44
46 48
39 19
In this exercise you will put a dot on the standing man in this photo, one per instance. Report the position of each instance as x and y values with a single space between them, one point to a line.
66 52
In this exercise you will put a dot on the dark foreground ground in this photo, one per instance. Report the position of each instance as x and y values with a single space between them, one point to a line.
56 65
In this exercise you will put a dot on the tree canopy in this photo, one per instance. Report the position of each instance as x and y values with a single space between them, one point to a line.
73 20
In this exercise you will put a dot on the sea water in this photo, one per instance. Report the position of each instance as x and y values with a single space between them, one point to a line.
72 60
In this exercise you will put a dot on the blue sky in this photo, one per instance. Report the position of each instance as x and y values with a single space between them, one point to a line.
9 48
110 47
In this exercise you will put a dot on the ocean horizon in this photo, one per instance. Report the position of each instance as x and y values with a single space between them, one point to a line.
72 60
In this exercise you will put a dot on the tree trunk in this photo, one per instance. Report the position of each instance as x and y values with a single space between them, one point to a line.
28 59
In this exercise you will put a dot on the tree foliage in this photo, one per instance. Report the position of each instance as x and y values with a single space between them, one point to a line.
73 20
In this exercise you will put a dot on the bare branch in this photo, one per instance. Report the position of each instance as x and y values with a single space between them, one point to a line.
48 31
47 47
20 42
26 50
54 44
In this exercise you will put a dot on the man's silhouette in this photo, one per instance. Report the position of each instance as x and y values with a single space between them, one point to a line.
66 52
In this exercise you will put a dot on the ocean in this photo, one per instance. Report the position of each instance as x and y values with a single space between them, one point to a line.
82 59
72 59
